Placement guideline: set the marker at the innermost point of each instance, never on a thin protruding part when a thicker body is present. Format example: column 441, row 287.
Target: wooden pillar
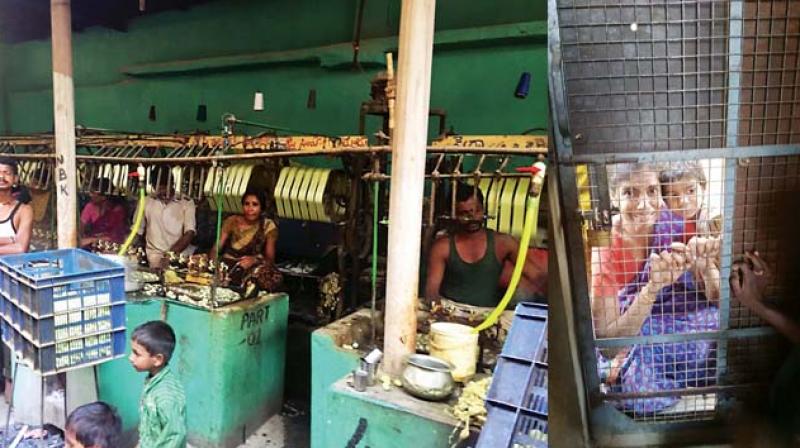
column 409, row 143
column 81, row 383
column 64, row 121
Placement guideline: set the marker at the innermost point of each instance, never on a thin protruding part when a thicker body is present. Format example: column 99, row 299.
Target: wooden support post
column 64, row 121
column 408, row 180
column 81, row 384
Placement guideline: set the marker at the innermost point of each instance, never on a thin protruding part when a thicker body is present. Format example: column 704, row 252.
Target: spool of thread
column 524, row 85
column 202, row 113
column 258, row 101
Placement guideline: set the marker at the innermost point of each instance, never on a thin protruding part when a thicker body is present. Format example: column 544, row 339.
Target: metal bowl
column 428, row 378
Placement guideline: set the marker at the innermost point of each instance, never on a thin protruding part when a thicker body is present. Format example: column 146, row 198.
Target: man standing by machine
column 169, row 220
column 466, row 266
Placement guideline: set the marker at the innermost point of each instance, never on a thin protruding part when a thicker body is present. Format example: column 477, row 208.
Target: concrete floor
column 289, row 429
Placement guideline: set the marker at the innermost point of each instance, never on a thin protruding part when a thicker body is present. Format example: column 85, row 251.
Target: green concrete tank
column 230, row 361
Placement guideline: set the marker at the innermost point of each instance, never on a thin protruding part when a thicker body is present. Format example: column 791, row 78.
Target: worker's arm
column 437, row 260
column 23, row 221
column 510, row 250
column 183, row 242
column 173, row 425
column 748, row 284
column 269, row 247
column 609, row 321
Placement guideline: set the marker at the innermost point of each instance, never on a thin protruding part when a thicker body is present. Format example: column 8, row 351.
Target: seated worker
column 162, row 408
column 247, row 246
column 93, row 425
column 169, row 221
column 465, row 267
column 103, row 218
column 16, row 217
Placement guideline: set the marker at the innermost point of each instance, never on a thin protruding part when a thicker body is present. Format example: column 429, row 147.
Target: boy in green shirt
column 162, row 408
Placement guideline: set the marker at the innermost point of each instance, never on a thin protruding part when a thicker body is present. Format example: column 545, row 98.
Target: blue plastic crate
column 72, row 354
column 73, row 324
column 516, row 403
column 47, row 283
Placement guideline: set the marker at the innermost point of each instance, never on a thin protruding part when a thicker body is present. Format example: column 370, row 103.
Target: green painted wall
column 384, row 425
column 474, row 75
column 329, row 363
column 232, row 369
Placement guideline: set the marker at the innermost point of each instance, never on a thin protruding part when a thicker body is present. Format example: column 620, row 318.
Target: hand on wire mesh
column 666, row 267
column 703, row 253
column 749, row 279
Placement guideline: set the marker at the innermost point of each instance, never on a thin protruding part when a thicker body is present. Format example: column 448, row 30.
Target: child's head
column 683, row 185
column 93, row 425
column 152, row 344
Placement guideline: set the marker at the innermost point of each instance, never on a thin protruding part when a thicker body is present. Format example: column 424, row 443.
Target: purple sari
column 679, row 308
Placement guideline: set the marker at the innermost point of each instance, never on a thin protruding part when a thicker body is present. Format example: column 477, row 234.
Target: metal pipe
column 531, row 152
column 385, row 177
column 694, row 391
column 64, row 122
column 408, row 182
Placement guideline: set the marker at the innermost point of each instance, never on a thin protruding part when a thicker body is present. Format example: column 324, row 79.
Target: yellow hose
column 531, row 222
column 137, row 222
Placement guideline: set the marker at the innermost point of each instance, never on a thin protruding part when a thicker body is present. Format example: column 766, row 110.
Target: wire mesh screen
column 658, row 278
column 765, row 219
column 770, row 94
column 642, row 75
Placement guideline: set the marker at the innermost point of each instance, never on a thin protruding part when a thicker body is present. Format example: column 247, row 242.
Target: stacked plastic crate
column 62, row 309
column 517, row 400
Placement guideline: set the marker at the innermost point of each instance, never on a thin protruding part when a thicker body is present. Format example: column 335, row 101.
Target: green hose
column 137, row 222
column 531, row 222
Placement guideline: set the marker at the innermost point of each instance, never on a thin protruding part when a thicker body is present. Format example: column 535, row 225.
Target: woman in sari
column 103, row 218
column 643, row 284
column 247, row 246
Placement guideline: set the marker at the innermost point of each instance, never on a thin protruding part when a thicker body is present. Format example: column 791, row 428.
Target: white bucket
column 130, row 266
column 457, row 344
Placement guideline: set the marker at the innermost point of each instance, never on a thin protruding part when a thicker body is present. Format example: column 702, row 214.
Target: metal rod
column 291, row 153
column 385, row 177
column 687, row 154
column 686, row 337
column 677, row 392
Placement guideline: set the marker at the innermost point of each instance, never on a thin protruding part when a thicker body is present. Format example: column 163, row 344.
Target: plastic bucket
column 457, row 344
column 130, row 266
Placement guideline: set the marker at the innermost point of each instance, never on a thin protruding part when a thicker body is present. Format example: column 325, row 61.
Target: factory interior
column 290, row 187
column 384, row 223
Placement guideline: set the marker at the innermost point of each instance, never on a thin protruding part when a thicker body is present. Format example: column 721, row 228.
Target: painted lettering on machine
column 252, row 324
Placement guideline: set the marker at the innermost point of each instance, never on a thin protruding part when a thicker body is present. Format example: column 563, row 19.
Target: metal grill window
column 646, row 75
column 669, row 85
column 769, row 109
column 656, row 270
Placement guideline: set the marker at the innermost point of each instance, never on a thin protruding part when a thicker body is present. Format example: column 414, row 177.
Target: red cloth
column 613, row 267
column 110, row 225
column 690, row 230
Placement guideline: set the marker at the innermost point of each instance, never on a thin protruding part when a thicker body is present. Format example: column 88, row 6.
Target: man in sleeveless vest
column 465, row 267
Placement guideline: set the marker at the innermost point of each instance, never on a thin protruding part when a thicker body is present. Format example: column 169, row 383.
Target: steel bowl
column 428, row 378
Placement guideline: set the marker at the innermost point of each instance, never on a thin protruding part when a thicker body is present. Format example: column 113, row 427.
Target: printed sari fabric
column 250, row 242
column 681, row 308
